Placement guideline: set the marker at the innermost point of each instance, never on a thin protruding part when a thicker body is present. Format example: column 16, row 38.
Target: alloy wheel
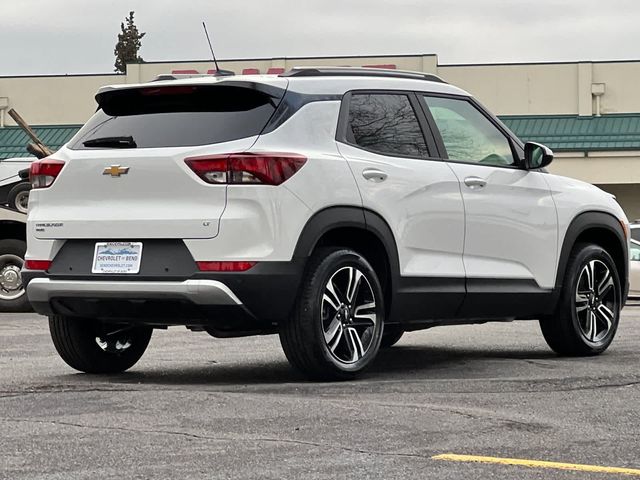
column 349, row 316
column 596, row 302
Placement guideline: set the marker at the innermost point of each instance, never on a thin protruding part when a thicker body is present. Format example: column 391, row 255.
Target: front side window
column 467, row 134
column 385, row 124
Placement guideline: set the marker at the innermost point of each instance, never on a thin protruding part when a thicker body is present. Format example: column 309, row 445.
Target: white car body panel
column 573, row 197
column 138, row 204
column 511, row 225
column 421, row 202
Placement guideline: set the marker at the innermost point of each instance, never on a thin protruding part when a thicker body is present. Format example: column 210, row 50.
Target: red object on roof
column 250, row 71
column 388, row 66
column 275, row 70
column 185, row 72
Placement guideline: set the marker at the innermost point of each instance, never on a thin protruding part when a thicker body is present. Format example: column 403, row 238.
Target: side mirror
column 536, row 156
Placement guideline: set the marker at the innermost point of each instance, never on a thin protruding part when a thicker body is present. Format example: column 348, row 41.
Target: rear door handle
column 475, row 182
column 374, row 175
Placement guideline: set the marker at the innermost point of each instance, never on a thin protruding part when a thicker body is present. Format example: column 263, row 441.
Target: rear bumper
column 229, row 303
column 200, row 292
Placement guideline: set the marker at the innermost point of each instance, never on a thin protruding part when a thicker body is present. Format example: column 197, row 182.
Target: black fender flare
column 582, row 223
column 331, row 218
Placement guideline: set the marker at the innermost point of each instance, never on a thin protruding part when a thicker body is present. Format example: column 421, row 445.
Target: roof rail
column 359, row 72
column 179, row 76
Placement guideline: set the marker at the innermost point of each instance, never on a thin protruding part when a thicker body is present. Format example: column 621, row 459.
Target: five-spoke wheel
column 348, row 314
column 596, row 300
column 336, row 327
column 588, row 311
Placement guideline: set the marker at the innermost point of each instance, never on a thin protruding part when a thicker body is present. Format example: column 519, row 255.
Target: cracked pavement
column 199, row 407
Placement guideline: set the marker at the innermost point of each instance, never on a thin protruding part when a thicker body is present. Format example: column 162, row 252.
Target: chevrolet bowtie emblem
column 115, row 170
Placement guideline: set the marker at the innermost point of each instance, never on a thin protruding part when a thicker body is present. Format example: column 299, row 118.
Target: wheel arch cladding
column 361, row 230
column 602, row 229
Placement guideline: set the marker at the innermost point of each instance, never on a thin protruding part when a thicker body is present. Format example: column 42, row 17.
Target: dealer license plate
column 117, row 257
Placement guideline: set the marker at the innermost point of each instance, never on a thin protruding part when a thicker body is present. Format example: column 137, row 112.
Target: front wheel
column 93, row 347
column 335, row 329
column 588, row 312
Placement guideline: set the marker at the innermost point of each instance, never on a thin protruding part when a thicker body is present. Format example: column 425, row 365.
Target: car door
column 510, row 244
column 381, row 134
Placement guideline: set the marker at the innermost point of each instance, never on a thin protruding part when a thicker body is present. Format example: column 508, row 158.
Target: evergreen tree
column 128, row 45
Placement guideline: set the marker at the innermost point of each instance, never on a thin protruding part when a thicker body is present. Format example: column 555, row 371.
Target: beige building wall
column 519, row 89
column 54, row 100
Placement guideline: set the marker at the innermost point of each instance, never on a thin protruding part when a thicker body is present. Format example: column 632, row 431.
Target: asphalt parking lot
column 199, row 407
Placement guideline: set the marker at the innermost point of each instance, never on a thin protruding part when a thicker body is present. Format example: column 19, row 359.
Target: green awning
column 13, row 141
column 578, row 134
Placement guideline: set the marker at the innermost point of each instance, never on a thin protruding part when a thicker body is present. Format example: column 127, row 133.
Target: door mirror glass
column 536, row 155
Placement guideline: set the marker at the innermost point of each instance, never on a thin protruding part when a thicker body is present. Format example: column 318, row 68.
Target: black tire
column 570, row 331
column 76, row 341
column 303, row 335
column 391, row 336
column 13, row 297
column 17, row 195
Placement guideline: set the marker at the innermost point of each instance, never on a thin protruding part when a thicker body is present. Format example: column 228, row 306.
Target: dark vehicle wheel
column 391, row 336
column 335, row 329
column 588, row 313
column 18, row 197
column 93, row 347
column 13, row 297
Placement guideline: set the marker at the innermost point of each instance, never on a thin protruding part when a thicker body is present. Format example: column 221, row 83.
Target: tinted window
column 178, row 116
column 386, row 124
column 467, row 134
column 635, row 234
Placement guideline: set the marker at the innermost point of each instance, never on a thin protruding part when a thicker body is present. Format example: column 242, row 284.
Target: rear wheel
column 93, row 347
column 335, row 330
column 588, row 312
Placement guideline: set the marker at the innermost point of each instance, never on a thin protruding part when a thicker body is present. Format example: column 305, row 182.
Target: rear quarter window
column 178, row 116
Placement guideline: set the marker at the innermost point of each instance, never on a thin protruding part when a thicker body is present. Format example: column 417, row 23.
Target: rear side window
column 176, row 116
column 386, row 124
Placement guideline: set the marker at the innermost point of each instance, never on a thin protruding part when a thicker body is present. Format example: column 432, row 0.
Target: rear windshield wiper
column 111, row 142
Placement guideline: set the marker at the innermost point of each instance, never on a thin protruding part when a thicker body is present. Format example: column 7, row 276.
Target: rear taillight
column 247, row 168
column 225, row 266
column 44, row 172
column 37, row 264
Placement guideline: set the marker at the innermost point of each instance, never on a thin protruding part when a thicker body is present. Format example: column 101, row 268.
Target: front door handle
column 475, row 182
column 374, row 175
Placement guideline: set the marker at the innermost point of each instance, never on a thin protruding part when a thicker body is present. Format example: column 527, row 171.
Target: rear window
column 177, row 116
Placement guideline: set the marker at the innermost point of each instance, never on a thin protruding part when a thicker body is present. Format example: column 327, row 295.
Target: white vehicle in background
column 14, row 190
column 634, row 269
column 12, row 249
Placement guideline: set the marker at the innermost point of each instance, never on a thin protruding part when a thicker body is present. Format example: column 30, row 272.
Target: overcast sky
column 78, row 36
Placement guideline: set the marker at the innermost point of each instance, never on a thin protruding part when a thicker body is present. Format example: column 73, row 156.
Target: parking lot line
column 536, row 464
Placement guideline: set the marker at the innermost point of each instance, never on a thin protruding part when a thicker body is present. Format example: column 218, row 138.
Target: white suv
column 337, row 207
